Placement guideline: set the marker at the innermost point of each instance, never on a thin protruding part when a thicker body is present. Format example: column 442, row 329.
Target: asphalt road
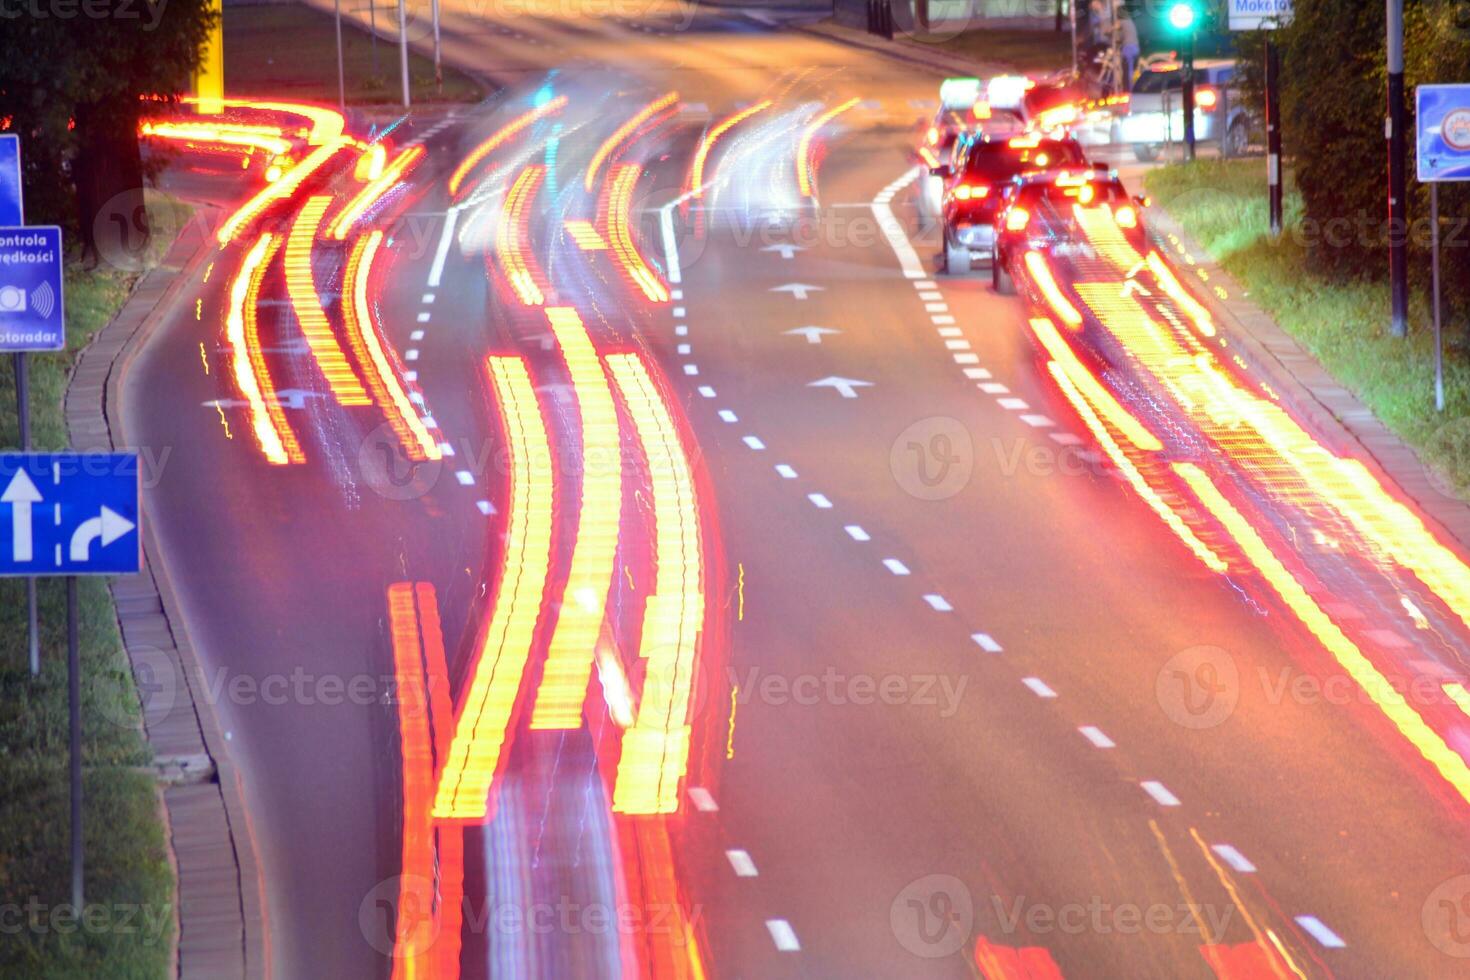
column 961, row 708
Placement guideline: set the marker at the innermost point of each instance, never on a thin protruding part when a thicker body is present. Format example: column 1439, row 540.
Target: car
column 1037, row 212
column 965, row 107
column 1153, row 116
column 985, row 164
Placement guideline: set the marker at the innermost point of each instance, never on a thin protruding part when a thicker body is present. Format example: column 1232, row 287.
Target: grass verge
column 126, row 929
column 1222, row 204
column 289, row 51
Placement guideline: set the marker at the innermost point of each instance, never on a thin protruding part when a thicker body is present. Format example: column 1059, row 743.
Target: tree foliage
column 1334, row 98
column 72, row 77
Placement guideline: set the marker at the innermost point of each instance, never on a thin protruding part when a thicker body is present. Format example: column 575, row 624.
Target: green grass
column 289, row 51
column 129, row 884
column 1222, row 204
column 1025, row 51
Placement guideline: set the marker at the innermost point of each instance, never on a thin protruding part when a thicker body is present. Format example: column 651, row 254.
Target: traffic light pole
column 1398, row 225
column 1189, row 95
column 1273, row 132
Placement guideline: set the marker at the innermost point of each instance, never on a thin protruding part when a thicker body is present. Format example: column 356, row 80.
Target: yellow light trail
column 586, row 236
column 279, row 190
column 1097, row 396
column 266, row 138
column 804, row 181
column 358, row 322
column 589, row 180
column 1041, row 273
column 267, row 420
column 499, row 137
column 696, row 170
column 594, row 521
column 1165, row 278
column 301, row 287
column 619, row 209
column 487, row 703
column 369, row 195
column 655, row 753
column 1436, row 752
column 512, row 231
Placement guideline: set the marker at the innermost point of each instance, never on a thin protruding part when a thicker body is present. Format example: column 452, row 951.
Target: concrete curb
column 220, row 907
column 1319, row 399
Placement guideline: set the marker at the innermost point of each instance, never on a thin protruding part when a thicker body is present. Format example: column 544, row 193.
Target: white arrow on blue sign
column 69, row 514
column 32, row 314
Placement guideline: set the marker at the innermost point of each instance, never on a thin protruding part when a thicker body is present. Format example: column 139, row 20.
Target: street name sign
column 1257, row 15
column 32, row 311
column 69, row 514
column 1443, row 121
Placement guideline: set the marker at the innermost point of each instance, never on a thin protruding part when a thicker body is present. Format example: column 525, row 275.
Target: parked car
column 1154, row 113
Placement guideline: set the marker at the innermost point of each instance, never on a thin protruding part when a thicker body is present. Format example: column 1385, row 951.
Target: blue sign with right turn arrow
column 69, row 514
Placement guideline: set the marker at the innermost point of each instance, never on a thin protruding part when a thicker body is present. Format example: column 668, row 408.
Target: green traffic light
column 1181, row 16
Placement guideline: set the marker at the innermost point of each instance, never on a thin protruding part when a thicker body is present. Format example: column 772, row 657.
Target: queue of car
column 1006, row 169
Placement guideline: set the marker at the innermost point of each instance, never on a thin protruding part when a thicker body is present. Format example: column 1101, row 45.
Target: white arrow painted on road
column 108, row 525
column 797, row 289
column 1134, row 286
column 813, row 335
column 20, row 495
column 847, row 387
column 786, row 249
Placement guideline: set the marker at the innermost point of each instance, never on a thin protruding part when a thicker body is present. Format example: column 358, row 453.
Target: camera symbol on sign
column 14, row 299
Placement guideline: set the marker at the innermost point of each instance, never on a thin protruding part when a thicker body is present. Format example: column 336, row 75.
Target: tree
column 1334, row 80
column 73, row 76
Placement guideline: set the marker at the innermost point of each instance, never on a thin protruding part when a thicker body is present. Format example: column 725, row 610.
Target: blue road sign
column 31, row 308
column 12, row 205
column 1443, row 118
column 69, row 514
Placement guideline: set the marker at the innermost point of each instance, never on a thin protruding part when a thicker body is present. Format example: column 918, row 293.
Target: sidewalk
column 220, row 911
column 1319, row 400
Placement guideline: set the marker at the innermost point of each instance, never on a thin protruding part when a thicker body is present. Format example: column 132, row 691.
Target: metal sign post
column 403, row 47
column 32, row 317
column 90, row 527
column 1442, row 150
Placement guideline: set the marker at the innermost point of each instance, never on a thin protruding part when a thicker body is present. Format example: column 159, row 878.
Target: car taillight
column 1206, row 98
column 1126, row 217
column 966, row 192
column 1017, row 219
column 1085, row 194
column 933, row 135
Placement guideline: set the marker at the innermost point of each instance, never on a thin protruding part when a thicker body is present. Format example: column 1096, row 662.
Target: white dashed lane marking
column 938, row 603
column 820, row 501
column 986, row 642
column 1038, row 687
column 895, row 566
column 1095, row 735
column 728, row 416
column 754, row 442
column 785, row 472
column 1231, row 856
column 783, row 935
column 702, row 800
column 742, row 863
column 1319, row 931
column 857, row 533
column 1159, row 792
column 706, row 391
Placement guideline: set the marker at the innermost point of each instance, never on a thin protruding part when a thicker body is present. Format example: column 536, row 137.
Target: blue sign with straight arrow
column 69, row 514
